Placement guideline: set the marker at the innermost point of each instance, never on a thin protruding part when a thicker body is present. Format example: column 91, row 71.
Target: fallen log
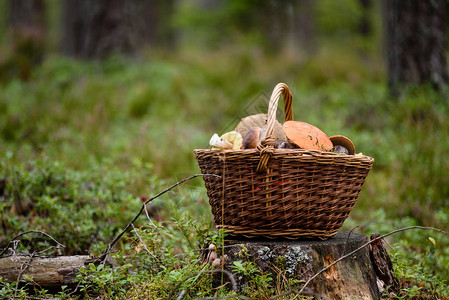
column 43, row 271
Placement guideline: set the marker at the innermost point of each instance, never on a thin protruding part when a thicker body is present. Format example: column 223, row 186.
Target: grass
column 83, row 143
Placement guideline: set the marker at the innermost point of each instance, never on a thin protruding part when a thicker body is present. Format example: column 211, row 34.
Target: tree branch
column 143, row 243
column 27, row 232
column 119, row 236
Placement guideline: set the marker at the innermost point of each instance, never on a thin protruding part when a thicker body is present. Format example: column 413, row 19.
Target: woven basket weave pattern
column 304, row 193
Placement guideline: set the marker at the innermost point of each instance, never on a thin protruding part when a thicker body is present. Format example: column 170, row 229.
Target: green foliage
column 259, row 285
column 251, row 23
column 161, row 260
column 340, row 17
column 82, row 142
column 418, row 272
column 78, row 208
column 419, row 256
column 103, row 280
column 11, row 290
column 23, row 290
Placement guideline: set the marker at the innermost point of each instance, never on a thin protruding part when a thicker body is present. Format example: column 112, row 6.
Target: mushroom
column 306, row 136
column 342, row 143
column 259, row 120
column 218, row 143
column 213, row 256
column 284, row 145
column 229, row 140
column 212, row 253
column 253, row 137
column 216, row 263
column 340, row 149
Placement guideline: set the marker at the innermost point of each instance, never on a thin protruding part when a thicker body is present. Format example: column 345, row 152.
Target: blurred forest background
column 102, row 103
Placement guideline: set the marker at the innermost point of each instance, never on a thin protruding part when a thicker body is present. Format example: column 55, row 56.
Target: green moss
column 280, row 262
column 243, row 253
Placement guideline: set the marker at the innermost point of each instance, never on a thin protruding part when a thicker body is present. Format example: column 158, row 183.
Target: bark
column 415, row 43
column 45, row 272
column 383, row 267
column 96, row 29
column 76, row 19
column 351, row 278
column 157, row 27
column 27, row 13
column 365, row 26
column 303, row 25
column 27, row 27
column 273, row 23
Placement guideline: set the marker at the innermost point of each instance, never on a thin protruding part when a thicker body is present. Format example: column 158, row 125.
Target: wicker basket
column 282, row 193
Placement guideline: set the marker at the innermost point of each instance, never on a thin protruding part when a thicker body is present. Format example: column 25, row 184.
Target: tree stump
column 351, row 278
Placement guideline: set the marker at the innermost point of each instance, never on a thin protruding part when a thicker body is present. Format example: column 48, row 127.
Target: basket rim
column 294, row 153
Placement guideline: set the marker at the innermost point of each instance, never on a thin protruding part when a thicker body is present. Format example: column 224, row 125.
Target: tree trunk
column 415, row 43
column 365, row 26
column 45, row 272
column 75, row 21
column 157, row 28
column 351, row 278
column 27, row 26
column 96, row 29
column 29, row 13
column 303, row 26
column 273, row 23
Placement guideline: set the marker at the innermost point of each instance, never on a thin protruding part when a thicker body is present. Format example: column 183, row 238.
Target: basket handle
column 266, row 146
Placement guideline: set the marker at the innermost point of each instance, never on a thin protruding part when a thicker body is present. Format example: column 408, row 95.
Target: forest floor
column 84, row 144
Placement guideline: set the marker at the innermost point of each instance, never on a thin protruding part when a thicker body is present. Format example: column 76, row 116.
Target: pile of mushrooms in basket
column 292, row 134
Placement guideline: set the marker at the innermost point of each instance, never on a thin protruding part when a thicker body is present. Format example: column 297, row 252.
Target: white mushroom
column 216, row 263
column 218, row 143
column 229, row 140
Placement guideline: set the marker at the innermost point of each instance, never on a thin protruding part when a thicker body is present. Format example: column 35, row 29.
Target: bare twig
column 221, row 247
column 15, row 244
column 38, row 253
column 280, row 275
column 119, row 236
column 75, row 290
column 23, row 268
column 27, row 232
column 143, row 243
column 181, row 295
column 148, row 217
column 350, row 232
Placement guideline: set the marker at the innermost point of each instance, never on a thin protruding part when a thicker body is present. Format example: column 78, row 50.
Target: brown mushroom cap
column 259, row 120
column 253, row 137
column 343, row 141
column 306, row 136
